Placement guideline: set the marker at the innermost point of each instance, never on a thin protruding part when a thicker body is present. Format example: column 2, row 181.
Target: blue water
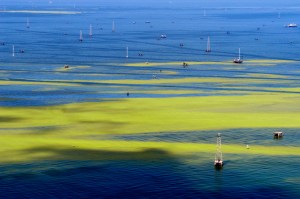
column 53, row 41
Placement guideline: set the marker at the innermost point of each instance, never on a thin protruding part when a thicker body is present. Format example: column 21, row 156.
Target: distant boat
column 219, row 157
column 27, row 23
column 292, row 25
column 163, row 36
column 208, row 49
column 238, row 60
column 91, row 30
column 13, row 50
column 80, row 36
column 147, row 21
column 127, row 53
column 113, row 29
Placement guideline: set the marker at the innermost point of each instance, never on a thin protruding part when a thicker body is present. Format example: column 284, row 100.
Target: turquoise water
column 53, row 41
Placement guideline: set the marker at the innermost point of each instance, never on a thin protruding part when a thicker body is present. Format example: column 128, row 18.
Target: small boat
column 80, row 36
column 163, row 36
column 91, row 31
column 292, row 25
column 113, row 28
column 147, row 22
column 238, row 60
column 27, row 23
column 208, row 49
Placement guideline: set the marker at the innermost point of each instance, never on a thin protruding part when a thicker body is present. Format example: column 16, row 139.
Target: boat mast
column 91, row 30
column 219, row 156
column 208, row 45
column 239, row 54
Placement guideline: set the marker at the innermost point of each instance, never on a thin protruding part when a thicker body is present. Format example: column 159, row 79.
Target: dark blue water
column 53, row 41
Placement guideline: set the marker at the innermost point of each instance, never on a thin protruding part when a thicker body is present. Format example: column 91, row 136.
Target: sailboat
column 208, row 46
column 13, row 50
column 238, row 60
column 91, row 30
column 113, row 26
column 80, row 36
column 127, row 54
column 27, row 23
column 218, row 157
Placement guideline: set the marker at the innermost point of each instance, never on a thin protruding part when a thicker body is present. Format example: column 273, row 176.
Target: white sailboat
column 80, row 36
column 113, row 26
column 91, row 30
column 208, row 49
column 238, row 60
column 13, row 50
column 27, row 23
column 219, row 157
column 127, row 53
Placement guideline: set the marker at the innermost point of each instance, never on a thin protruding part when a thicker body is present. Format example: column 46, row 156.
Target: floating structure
column 208, row 49
column 292, row 25
column 218, row 157
column 278, row 134
column 163, row 36
column 238, row 60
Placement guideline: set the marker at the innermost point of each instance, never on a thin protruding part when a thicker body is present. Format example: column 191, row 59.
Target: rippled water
column 164, row 177
column 230, row 136
column 52, row 41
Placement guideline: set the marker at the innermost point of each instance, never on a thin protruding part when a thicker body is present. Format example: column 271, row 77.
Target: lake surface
column 52, row 41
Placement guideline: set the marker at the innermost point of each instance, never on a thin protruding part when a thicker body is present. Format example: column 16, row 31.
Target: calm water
column 53, row 41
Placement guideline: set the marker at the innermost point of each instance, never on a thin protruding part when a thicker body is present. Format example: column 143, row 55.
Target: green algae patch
column 28, row 148
column 139, row 115
column 64, row 131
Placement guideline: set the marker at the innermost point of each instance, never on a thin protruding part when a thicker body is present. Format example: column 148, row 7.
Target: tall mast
column 208, row 45
column 80, row 36
column 127, row 54
column 113, row 26
column 91, row 30
column 239, row 53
